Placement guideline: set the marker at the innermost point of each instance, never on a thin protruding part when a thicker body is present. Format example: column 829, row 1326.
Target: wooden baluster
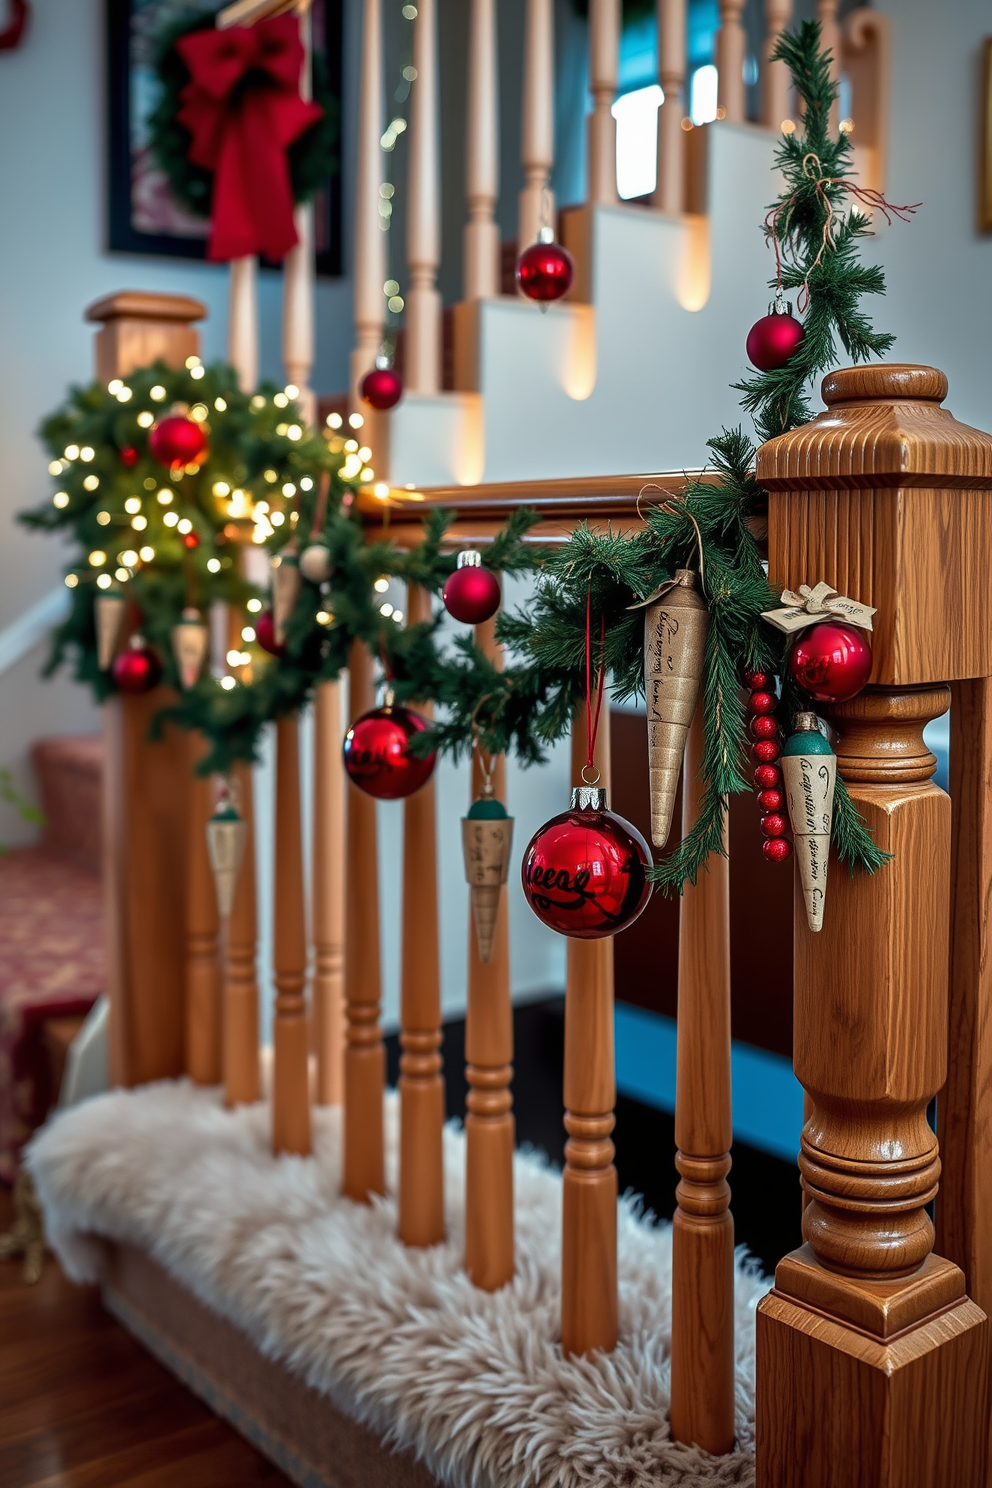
column 298, row 276
column 421, row 1084
column 826, row 14
column 290, row 1073
column 775, row 78
column 489, row 1123
column 242, row 322
column 482, row 246
column 604, row 63
column 203, row 969
column 589, row 1301
column 669, row 194
column 731, row 45
column 240, row 1022
column 369, row 262
column 328, row 893
column 365, row 1054
column 537, row 135
column 423, row 245
column 872, row 1362
column 702, row 1409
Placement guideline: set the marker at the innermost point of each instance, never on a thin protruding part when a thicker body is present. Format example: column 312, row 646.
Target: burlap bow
column 810, row 606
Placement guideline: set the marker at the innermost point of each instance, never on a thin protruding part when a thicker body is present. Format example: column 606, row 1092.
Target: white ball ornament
column 315, row 563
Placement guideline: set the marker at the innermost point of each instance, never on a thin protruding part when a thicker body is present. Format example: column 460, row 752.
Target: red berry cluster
column 765, row 751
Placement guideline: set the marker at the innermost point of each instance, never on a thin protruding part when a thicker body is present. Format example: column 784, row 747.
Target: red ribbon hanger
column 242, row 105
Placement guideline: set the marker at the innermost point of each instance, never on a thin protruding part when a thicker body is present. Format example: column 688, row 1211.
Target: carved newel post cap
column 895, row 381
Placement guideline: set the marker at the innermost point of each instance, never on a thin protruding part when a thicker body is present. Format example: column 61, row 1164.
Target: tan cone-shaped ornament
column 190, row 639
column 487, row 836
column 109, row 611
column 675, row 624
column 286, row 586
column 809, row 770
column 226, row 833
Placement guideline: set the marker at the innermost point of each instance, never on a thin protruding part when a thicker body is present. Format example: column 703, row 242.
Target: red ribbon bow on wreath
column 242, row 106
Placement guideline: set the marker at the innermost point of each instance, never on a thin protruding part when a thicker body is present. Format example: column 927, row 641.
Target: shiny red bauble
column 545, row 271
column 771, row 800
column 471, row 594
column 137, row 669
column 768, row 777
column 762, row 702
column 766, row 751
column 265, row 634
column 777, row 849
column 129, row 456
column 377, row 753
column 758, row 681
column 177, row 441
column 774, row 824
column 585, row 873
column 764, row 726
column 382, row 388
column 831, row 661
column 773, row 340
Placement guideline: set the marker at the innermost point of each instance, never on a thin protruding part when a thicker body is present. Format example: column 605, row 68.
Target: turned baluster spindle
column 775, row 79
column 365, row 1054
column 240, row 1022
column 826, row 14
column 242, row 327
column 537, row 137
column 702, row 1409
column 489, row 1123
column 669, row 194
column 328, row 893
column 589, row 1304
column 604, row 63
column 482, row 245
column 872, row 1362
column 423, row 236
column 731, row 46
column 290, row 1072
column 203, row 968
column 369, row 262
column 298, row 275
column 421, row 1083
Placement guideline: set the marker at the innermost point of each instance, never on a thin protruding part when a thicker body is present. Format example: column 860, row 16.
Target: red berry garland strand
column 764, row 730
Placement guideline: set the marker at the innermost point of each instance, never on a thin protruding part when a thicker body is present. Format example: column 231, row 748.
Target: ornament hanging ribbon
column 592, row 716
column 242, row 105
column 810, row 606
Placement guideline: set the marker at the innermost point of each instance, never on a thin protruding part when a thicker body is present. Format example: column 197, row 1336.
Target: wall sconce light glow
column 636, row 114
column 703, row 87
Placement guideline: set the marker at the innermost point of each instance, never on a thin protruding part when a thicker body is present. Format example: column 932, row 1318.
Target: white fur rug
column 475, row 1383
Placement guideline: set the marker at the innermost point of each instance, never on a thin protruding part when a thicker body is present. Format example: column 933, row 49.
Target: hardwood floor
column 82, row 1405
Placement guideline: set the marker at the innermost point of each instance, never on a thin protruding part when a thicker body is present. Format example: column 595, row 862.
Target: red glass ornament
column 137, row 669
column 774, row 339
column 471, row 594
column 764, row 726
column 190, row 540
column 758, row 681
column 382, row 388
column 177, row 441
column 762, row 702
column 771, row 800
column 768, row 777
column 585, row 872
column 377, row 753
column 831, row 661
column 774, row 824
column 766, row 751
column 129, row 456
column 777, row 849
column 545, row 269
column 265, row 633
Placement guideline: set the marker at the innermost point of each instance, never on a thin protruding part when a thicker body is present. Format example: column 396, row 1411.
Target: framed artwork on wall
column 144, row 215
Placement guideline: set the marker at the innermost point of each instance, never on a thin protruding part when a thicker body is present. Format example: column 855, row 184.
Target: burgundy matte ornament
column 777, row 849
column 382, row 388
column 129, row 456
column 831, row 661
column 137, row 669
column 177, row 441
column 471, row 594
column 766, row 751
column 265, row 634
column 585, row 872
column 774, row 339
column 764, row 726
column 768, row 777
column 545, row 269
column 377, row 753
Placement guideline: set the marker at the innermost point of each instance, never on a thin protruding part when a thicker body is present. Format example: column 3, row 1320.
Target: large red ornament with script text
column 585, row 872
column 377, row 753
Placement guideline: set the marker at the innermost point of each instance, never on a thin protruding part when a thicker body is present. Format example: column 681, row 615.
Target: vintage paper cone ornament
column 286, row 585
column 809, row 770
column 190, row 639
column 225, row 846
column 675, row 624
column 109, row 611
column 487, row 835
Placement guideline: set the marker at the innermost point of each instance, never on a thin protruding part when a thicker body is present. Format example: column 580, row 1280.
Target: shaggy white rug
column 474, row 1383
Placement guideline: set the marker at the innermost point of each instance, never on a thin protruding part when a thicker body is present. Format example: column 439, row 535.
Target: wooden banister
column 604, row 63
column 421, row 1083
column 537, row 129
column 290, row 1054
column 365, row 1054
column 731, row 47
column 240, row 1021
column 702, row 1409
column 482, row 244
column 203, row 968
column 422, row 365
column 328, row 893
column 669, row 194
column 872, row 1362
column 369, row 262
column 775, row 78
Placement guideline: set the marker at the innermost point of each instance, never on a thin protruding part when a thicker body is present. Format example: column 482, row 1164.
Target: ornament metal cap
column 780, row 305
column 469, row 558
column 546, row 235
column 686, row 577
column 588, row 798
column 807, row 723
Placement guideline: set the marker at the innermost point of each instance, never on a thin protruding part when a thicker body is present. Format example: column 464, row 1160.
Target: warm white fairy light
column 355, row 420
column 61, row 499
column 103, row 581
column 71, row 451
column 282, row 430
column 129, row 557
column 334, row 421
column 71, row 580
column 103, row 517
column 261, row 507
column 213, row 565
column 364, row 453
column 324, row 617
column 381, row 585
column 114, row 386
column 386, row 609
column 306, row 484
column 239, row 504
column 280, row 400
column 368, row 474
column 397, row 616
column 234, row 658
column 221, row 488
column 146, row 554
column 199, row 413
column 381, row 489
column 248, row 631
column 145, row 419
column 291, row 391
column 271, row 476
column 132, row 505
column 185, row 525
column 289, row 489
column 220, row 404
column 191, row 362
column 351, row 446
column 121, row 575
column 97, row 558
column 171, row 519
column 197, row 372
column 351, row 467
column 157, row 392
column 125, row 395
column 277, row 518
column 258, row 401
column 91, row 482
column 253, row 606
column 228, row 683
column 139, row 523
column 86, row 453
column 164, row 497
column 55, row 468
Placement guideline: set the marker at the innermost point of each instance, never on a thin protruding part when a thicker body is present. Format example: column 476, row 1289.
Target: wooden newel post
column 872, row 1361
column 290, row 1073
